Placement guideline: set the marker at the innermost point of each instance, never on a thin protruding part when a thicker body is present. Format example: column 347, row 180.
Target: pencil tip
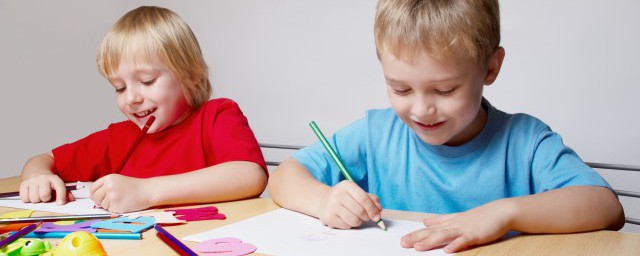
column 80, row 185
column 381, row 225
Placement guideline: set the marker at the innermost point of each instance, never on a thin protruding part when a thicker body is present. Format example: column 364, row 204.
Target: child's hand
column 346, row 205
column 458, row 231
column 119, row 194
column 39, row 188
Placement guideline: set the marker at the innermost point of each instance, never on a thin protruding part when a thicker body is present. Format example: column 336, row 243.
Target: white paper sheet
column 82, row 205
column 285, row 232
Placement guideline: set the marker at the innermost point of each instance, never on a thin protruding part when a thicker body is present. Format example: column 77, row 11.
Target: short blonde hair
column 439, row 28
column 154, row 31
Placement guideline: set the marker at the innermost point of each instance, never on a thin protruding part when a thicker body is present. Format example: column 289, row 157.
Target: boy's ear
column 494, row 65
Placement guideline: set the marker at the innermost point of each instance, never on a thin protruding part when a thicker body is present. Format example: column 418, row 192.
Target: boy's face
column 146, row 89
column 439, row 99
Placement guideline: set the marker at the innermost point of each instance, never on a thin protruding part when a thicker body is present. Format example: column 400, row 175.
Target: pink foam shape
column 229, row 246
column 194, row 214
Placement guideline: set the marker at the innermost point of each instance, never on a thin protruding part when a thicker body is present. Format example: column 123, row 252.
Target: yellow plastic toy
column 79, row 243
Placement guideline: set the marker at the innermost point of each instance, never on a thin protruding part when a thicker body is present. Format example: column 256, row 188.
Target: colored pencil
column 174, row 240
column 14, row 236
column 336, row 159
column 60, row 217
column 17, row 193
column 135, row 144
column 99, row 235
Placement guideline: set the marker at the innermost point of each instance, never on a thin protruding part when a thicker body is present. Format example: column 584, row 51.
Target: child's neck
column 472, row 130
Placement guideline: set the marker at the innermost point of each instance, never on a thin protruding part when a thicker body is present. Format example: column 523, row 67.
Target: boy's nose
column 423, row 109
column 133, row 97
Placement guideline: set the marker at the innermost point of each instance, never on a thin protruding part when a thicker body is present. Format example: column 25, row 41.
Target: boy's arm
column 227, row 181
column 222, row 182
column 38, row 179
column 564, row 210
column 293, row 187
column 568, row 210
column 38, row 165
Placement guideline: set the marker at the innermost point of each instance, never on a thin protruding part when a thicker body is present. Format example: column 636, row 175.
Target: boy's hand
column 461, row 230
column 119, row 194
column 39, row 188
column 346, row 206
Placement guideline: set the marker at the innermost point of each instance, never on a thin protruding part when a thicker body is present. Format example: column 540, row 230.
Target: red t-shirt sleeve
column 84, row 160
column 229, row 137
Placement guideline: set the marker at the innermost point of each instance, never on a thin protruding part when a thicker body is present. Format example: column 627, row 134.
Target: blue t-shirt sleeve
column 556, row 166
column 350, row 145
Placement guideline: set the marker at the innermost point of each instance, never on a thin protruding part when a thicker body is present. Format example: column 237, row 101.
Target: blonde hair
column 439, row 28
column 154, row 31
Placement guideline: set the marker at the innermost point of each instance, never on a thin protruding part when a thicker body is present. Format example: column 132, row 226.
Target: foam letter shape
column 138, row 225
column 57, row 227
column 203, row 213
column 161, row 217
column 228, row 246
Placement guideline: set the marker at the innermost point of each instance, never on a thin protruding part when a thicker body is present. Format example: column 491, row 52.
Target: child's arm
column 564, row 210
column 38, row 179
column 223, row 182
column 344, row 205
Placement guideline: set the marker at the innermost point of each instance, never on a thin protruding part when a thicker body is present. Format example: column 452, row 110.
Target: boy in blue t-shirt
column 443, row 148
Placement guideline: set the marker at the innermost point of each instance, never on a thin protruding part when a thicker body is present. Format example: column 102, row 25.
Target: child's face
column 146, row 89
column 439, row 99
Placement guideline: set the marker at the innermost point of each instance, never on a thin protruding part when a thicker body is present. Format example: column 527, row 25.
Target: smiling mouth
column 145, row 113
column 430, row 126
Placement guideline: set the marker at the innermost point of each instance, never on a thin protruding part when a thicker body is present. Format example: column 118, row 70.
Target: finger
column 439, row 219
column 24, row 192
column 348, row 217
column 96, row 185
column 354, row 207
column 458, row 244
column 437, row 239
column 408, row 240
column 366, row 208
column 105, row 203
column 376, row 201
column 45, row 192
column 98, row 196
column 34, row 195
column 61, row 191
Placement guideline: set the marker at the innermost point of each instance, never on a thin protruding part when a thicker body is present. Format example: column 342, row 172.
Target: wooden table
column 590, row 243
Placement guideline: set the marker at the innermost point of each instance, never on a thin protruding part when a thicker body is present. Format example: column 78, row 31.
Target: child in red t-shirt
column 197, row 150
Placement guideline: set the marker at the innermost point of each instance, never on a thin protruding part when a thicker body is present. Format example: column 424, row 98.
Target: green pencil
column 335, row 158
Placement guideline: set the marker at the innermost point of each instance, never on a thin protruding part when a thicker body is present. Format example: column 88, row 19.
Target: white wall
column 572, row 63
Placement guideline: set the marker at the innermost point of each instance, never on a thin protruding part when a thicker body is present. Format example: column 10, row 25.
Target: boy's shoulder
column 521, row 120
column 214, row 107
column 220, row 103
column 516, row 122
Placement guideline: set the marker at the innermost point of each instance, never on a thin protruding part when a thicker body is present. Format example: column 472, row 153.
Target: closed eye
column 400, row 92
column 445, row 93
column 120, row 89
column 149, row 82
